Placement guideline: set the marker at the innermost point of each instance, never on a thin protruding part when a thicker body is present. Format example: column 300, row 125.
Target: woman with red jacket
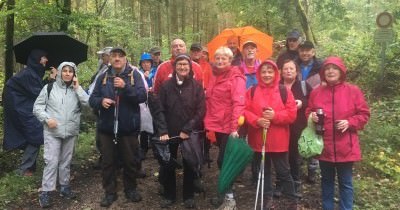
column 346, row 112
column 224, row 105
column 266, row 109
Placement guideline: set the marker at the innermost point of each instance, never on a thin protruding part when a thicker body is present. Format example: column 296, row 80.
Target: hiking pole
column 261, row 171
column 116, row 113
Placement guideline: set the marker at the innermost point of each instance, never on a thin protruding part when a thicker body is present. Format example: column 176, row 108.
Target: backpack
column 282, row 91
column 49, row 88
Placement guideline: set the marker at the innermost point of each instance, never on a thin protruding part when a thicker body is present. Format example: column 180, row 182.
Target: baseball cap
column 196, row 46
column 249, row 42
column 306, row 45
column 154, row 50
column 293, row 34
column 105, row 50
column 118, row 49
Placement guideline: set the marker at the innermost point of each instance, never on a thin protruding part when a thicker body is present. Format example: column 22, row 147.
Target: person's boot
column 229, row 204
column 66, row 192
column 217, row 201
column 44, row 199
column 108, row 199
column 297, row 188
column 133, row 195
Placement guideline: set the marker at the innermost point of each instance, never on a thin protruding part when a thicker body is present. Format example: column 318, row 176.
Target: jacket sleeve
column 288, row 114
column 158, row 78
column 238, row 101
column 250, row 117
column 362, row 114
column 137, row 93
column 39, row 107
column 82, row 96
column 162, row 122
column 200, row 111
column 96, row 98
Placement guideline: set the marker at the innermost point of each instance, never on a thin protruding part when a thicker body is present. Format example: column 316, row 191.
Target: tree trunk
column 9, row 57
column 183, row 16
column 173, row 18
column 66, row 11
column 304, row 21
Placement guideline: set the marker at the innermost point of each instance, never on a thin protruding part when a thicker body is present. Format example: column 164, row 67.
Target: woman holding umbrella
column 183, row 108
column 270, row 109
column 224, row 103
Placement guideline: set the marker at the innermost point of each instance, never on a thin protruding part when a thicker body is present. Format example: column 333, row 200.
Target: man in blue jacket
column 117, row 96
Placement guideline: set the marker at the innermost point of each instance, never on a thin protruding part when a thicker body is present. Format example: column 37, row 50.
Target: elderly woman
column 301, row 91
column 346, row 112
column 224, row 103
column 270, row 109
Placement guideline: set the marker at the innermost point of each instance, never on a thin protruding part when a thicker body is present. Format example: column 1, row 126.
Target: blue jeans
column 345, row 178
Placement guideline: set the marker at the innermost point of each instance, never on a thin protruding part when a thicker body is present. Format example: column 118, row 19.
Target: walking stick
column 116, row 113
column 261, row 172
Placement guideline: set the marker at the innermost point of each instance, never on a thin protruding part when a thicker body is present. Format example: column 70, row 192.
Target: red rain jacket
column 285, row 114
column 225, row 100
column 342, row 101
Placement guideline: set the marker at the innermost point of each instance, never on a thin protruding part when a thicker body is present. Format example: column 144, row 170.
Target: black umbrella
column 59, row 46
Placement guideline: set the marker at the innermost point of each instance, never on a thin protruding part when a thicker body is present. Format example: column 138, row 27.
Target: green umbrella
column 237, row 155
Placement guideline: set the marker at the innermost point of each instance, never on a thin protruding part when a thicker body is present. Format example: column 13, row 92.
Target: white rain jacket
column 63, row 105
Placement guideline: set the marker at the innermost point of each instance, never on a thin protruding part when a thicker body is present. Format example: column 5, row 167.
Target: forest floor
column 86, row 182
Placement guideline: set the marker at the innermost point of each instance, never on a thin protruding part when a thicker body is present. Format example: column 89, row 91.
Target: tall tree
column 9, row 57
column 66, row 11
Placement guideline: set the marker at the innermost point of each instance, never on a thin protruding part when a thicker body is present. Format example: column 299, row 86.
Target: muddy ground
column 87, row 184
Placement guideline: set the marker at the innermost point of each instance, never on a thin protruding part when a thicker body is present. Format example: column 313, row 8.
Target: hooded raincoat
column 20, row 125
column 225, row 100
column 342, row 101
column 63, row 104
column 285, row 114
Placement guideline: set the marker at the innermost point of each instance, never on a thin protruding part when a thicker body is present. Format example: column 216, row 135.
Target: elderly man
column 119, row 90
column 155, row 53
column 233, row 44
column 293, row 40
column 164, row 71
column 104, row 61
column 250, row 63
column 196, row 54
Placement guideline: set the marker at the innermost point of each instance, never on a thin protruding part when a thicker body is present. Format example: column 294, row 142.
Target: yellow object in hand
column 241, row 120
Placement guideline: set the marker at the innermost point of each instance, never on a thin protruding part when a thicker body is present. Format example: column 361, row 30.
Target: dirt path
column 87, row 184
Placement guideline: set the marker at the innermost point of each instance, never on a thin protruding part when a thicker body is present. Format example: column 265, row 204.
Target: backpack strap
column 283, row 92
column 303, row 87
column 49, row 88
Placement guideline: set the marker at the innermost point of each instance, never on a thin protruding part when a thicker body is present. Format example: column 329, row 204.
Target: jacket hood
column 179, row 58
column 61, row 66
column 34, row 61
column 275, row 67
column 337, row 62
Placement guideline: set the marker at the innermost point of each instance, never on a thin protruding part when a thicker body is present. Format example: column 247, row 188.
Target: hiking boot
column 44, row 199
column 229, row 204
column 166, row 203
column 189, row 203
column 133, row 195
column 67, row 193
column 217, row 201
column 108, row 199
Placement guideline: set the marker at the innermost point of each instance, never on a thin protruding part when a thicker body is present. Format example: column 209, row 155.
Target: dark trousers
column 295, row 159
column 222, row 141
column 281, row 165
column 170, row 177
column 126, row 150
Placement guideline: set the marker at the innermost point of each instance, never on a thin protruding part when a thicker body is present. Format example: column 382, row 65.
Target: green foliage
column 380, row 140
column 15, row 188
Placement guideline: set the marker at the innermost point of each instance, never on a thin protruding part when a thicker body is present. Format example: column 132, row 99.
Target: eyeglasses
column 182, row 64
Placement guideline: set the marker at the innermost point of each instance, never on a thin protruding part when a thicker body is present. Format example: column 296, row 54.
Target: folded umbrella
column 59, row 46
column 237, row 155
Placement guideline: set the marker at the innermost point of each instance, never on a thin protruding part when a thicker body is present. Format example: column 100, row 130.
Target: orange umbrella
column 264, row 42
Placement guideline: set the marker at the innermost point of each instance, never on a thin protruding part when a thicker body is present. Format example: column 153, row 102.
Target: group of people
column 188, row 95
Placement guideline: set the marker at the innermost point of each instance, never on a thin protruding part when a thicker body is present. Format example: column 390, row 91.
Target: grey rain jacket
column 63, row 105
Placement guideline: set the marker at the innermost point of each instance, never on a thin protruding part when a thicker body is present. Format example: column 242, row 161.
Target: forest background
column 338, row 27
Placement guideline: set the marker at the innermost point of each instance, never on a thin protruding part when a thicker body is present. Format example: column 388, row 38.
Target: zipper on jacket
column 333, row 123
